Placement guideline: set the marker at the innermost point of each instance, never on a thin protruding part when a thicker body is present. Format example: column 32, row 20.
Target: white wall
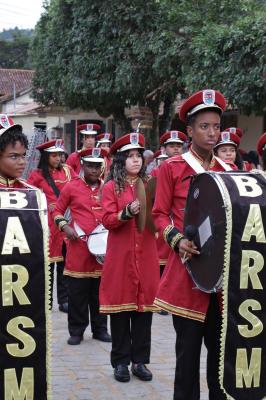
column 252, row 126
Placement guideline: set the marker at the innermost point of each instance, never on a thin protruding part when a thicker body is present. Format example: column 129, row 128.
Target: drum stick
column 190, row 233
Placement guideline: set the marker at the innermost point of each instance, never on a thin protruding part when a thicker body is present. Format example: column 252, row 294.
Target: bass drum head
column 205, row 215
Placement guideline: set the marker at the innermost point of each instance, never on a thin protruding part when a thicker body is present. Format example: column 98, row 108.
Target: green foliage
column 108, row 55
column 15, row 53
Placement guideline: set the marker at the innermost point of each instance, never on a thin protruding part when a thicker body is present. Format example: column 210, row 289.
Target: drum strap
column 223, row 164
column 193, row 162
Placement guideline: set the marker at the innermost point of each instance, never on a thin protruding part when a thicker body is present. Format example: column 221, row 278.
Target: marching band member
column 51, row 176
column 82, row 197
column 196, row 314
column 261, row 148
column 227, row 146
column 130, row 273
column 104, row 141
column 240, row 153
column 162, row 247
column 160, row 156
column 173, row 142
column 88, row 132
column 13, row 146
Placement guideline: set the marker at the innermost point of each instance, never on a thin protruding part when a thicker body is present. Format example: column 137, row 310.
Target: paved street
column 84, row 373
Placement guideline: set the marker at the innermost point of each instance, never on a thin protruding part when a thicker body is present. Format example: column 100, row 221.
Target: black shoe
column 121, row 373
column 63, row 307
column 102, row 336
column 74, row 340
column 141, row 371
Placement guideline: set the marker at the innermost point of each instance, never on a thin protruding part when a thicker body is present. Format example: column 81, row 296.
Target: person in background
column 261, row 149
column 227, row 148
column 88, row 133
column 82, row 197
column 173, row 142
column 162, row 247
column 104, row 141
column 131, row 268
column 241, row 162
column 149, row 161
column 196, row 315
column 51, row 176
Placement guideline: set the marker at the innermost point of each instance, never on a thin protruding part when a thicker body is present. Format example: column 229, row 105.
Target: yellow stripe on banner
column 227, row 250
column 42, row 204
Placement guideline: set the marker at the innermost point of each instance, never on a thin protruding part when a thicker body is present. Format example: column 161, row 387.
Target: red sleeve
column 163, row 199
column 34, row 178
column 110, row 207
column 62, row 202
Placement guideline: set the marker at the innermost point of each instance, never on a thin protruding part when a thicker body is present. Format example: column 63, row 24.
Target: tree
column 111, row 55
column 15, row 53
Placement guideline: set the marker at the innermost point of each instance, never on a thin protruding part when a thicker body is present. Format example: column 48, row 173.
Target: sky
column 23, row 14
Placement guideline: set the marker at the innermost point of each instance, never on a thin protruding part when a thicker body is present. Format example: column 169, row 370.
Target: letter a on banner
column 25, row 326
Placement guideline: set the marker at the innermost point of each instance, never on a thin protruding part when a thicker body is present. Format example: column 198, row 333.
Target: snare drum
column 97, row 243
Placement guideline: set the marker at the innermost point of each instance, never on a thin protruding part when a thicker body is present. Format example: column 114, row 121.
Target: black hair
column 12, row 136
column 192, row 118
column 253, row 157
column 239, row 160
column 44, row 167
column 118, row 170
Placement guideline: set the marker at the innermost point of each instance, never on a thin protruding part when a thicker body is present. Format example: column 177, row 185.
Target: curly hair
column 12, row 136
column 118, row 170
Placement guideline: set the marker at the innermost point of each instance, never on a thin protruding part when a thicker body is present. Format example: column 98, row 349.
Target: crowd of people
column 142, row 269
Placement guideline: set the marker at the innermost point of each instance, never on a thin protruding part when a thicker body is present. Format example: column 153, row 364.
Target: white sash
column 198, row 168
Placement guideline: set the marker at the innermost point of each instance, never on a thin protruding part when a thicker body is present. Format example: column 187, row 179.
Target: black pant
column 83, row 297
column 61, row 282
column 188, row 347
column 131, row 337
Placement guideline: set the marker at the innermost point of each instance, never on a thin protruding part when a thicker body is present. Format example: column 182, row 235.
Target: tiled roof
column 22, row 78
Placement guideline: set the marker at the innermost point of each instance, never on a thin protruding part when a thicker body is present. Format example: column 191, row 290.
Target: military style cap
column 95, row 154
column 237, row 131
column 104, row 138
column 89, row 129
column 53, row 146
column 160, row 154
column 202, row 100
column 128, row 142
column 173, row 137
column 227, row 137
column 261, row 144
column 7, row 123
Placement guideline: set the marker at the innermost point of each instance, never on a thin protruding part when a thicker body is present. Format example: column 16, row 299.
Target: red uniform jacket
column 61, row 177
column 131, row 268
column 74, row 161
column 86, row 211
column 176, row 294
column 162, row 247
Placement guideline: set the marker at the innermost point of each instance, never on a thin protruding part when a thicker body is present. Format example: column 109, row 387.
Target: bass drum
column 97, row 243
column 205, row 223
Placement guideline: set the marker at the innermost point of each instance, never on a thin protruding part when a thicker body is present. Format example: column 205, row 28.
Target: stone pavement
column 84, row 373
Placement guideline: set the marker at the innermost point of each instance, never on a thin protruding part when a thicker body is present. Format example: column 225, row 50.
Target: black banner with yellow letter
column 24, row 307
column 243, row 350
